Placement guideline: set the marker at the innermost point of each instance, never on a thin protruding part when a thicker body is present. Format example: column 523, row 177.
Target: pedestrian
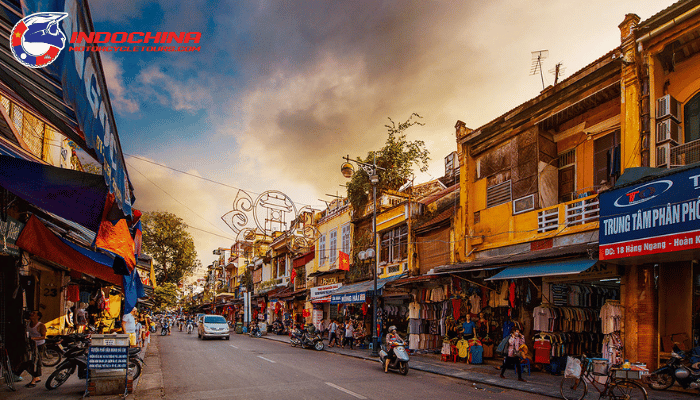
column 82, row 318
column 512, row 359
column 332, row 338
column 139, row 326
column 349, row 335
column 129, row 326
column 37, row 333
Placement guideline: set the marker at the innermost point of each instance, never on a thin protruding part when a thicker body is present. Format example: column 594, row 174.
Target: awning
column 324, row 273
column 37, row 239
column 358, row 292
column 564, row 267
column 303, row 259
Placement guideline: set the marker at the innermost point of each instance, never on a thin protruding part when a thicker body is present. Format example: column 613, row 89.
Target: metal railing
column 684, row 154
column 576, row 212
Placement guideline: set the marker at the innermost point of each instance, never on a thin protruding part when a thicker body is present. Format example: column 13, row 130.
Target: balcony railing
column 572, row 213
column 684, row 154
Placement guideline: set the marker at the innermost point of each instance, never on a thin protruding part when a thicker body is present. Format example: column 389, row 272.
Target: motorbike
column 678, row 368
column 306, row 339
column 75, row 359
column 190, row 327
column 54, row 349
column 255, row 331
column 399, row 359
column 135, row 362
column 278, row 328
column 164, row 329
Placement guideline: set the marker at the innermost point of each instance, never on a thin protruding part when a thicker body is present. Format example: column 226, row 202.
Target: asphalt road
column 247, row 368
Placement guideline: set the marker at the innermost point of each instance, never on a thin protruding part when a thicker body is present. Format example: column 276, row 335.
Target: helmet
column 392, row 328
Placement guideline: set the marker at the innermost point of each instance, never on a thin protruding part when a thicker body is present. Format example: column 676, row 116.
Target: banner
column 659, row 216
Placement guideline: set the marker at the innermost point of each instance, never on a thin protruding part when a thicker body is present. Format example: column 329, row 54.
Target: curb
column 465, row 376
column 149, row 385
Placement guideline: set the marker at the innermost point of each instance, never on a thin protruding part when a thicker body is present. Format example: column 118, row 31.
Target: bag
column 503, row 346
column 573, row 368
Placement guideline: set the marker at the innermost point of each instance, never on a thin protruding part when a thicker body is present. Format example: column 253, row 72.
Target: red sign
column 654, row 245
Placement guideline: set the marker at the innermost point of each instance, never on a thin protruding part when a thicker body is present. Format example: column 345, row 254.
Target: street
column 247, row 368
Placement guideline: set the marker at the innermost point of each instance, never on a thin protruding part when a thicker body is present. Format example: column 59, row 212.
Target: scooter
column 399, row 360
column 54, row 348
column 306, row 339
column 255, row 331
column 678, row 368
column 278, row 328
column 75, row 358
column 165, row 329
column 190, row 327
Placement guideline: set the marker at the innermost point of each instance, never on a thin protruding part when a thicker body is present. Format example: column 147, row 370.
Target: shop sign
column 10, row 230
column 323, row 291
column 660, row 216
column 316, row 318
column 329, row 281
column 103, row 357
column 348, row 298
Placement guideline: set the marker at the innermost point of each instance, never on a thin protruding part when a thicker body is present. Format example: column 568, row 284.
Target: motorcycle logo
column 37, row 40
column 643, row 193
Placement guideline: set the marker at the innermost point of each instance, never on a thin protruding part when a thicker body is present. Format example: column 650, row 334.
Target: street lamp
column 371, row 170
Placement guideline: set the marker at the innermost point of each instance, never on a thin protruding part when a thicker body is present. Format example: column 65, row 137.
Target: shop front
column 650, row 227
column 320, row 297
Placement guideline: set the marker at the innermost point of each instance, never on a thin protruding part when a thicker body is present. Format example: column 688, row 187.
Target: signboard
column 348, row 298
column 323, row 291
column 104, row 357
column 84, row 89
column 659, row 216
column 9, row 231
column 317, row 318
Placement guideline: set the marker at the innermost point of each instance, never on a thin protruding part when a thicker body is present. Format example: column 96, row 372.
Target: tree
column 165, row 296
column 398, row 157
column 166, row 239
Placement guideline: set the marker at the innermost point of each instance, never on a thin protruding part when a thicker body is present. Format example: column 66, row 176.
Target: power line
column 172, row 197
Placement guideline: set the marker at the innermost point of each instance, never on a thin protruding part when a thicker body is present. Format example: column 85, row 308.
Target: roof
column 366, row 286
column 443, row 216
column 666, row 15
column 436, row 196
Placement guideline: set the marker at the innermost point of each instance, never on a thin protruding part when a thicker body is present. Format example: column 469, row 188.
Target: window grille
column 498, row 194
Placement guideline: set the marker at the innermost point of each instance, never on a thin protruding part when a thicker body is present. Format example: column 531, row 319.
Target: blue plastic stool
column 525, row 364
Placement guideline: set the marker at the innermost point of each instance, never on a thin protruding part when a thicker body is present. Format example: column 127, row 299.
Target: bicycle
column 614, row 388
column 6, row 368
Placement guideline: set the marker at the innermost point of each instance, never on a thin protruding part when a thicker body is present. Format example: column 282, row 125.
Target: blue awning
column 357, row 293
column 565, row 267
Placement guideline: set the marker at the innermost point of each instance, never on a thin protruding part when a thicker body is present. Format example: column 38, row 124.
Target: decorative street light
column 371, row 170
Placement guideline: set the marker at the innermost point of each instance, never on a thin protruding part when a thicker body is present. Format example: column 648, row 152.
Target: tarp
column 358, row 292
column 133, row 290
column 73, row 195
column 565, row 267
column 40, row 241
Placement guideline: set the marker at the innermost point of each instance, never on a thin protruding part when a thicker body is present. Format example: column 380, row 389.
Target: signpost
column 108, row 363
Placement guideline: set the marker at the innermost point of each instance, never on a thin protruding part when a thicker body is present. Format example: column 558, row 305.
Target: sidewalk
column 539, row 383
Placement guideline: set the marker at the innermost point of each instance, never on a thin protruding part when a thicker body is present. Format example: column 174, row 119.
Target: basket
column 630, row 373
column 600, row 366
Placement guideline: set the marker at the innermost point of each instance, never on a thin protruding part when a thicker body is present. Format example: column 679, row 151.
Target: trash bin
column 239, row 327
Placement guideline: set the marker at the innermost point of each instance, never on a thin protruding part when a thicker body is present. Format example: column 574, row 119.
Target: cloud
column 179, row 93
column 120, row 98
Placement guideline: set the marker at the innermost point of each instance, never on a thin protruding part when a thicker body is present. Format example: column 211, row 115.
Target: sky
column 282, row 90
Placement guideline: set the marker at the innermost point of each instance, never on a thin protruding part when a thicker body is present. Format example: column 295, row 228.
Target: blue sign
column 85, row 91
column 659, row 216
column 106, row 357
column 348, row 298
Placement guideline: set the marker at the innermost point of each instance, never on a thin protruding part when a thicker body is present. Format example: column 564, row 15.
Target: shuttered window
column 498, row 194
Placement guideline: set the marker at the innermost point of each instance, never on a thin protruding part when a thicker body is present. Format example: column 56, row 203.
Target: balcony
column 498, row 227
column 685, row 154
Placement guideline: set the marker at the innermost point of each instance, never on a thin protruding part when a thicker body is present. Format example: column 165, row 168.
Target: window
column 498, row 194
column 394, row 244
column 333, row 245
column 606, row 159
column 691, row 119
column 345, row 239
column 567, row 175
column 322, row 250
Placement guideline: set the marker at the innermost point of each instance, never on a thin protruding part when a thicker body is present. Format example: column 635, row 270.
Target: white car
column 213, row 326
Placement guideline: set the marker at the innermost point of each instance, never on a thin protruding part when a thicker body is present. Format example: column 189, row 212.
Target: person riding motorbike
column 391, row 338
column 180, row 323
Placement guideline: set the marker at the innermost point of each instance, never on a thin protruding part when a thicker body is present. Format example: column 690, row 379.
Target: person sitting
column 391, row 338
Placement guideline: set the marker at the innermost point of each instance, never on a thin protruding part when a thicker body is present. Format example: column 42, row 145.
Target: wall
column 675, row 299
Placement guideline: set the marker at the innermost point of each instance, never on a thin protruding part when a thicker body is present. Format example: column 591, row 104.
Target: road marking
column 267, row 359
column 351, row 393
column 235, row 347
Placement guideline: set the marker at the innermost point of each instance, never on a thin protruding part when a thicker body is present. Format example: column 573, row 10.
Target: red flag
column 293, row 275
column 114, row 235
column 344, row 261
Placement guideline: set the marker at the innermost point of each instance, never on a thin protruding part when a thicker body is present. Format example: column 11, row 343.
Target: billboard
column 657, row 216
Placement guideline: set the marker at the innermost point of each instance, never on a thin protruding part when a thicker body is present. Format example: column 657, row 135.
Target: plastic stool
column 525, row 364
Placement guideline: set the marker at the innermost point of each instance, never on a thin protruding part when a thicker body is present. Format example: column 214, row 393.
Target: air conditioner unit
column 668, row 130
column 667, row 106
column 663, row 155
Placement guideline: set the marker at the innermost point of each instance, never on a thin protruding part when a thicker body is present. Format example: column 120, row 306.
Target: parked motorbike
column 399, row 357
column 255, row 331
column 678, row 368
column 190, row 327
column 54, row 347
column 75, row 359
column 135, row 362
column 278, row 328
column 306, row 339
